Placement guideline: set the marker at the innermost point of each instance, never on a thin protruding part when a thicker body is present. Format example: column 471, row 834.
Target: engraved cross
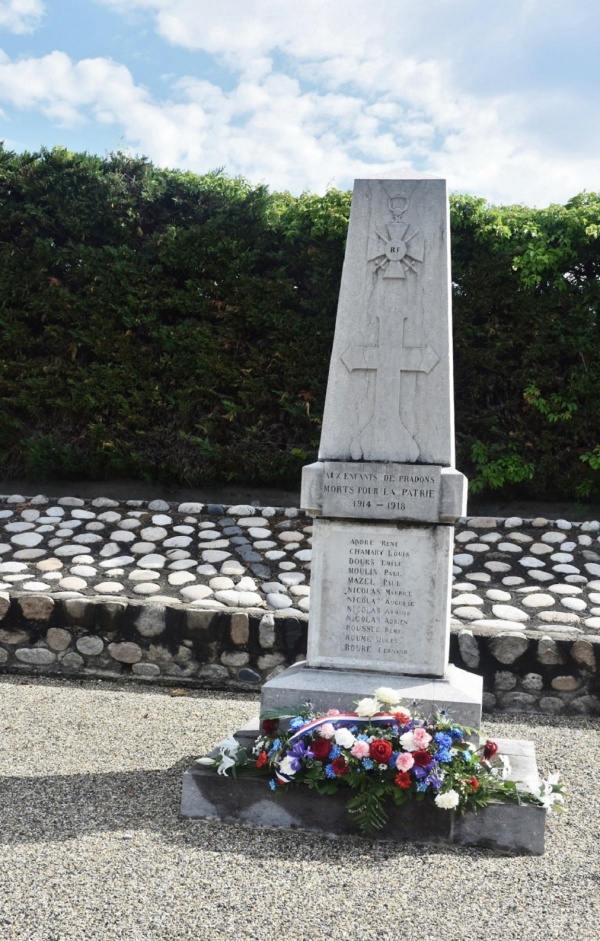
column 389, row 360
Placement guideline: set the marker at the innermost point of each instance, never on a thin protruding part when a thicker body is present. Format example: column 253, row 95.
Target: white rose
column 408, row 741
column 367, row 707
column 391, row 697
column 448, row 800
column 344, row 738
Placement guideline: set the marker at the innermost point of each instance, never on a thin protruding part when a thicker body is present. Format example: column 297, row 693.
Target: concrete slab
column 507, row 828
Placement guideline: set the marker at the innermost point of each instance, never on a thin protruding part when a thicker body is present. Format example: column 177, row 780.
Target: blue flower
column 455, row 734
column 467, row 755
column 273, row 784
column 422, row 785
column 297, row 723
column 419, row 773
column 433, row 781
column 275, row 746
column 300, row 750
column 335, row 752
column 368, row 763
column 362, row 738
column 392, row 761
column 443, row 755
column 330, row 772
column 443, row 739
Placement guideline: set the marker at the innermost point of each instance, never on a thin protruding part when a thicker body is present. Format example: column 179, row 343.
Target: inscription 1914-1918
column 380, row 491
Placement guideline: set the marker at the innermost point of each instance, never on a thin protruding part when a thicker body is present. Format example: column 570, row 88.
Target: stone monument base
column 508, row 828
column 459, row 692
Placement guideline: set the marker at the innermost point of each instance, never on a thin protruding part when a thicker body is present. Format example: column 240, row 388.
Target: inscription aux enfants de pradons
column 388, row 490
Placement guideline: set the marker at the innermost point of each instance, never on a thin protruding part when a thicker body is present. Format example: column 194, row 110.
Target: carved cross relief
column 390, row 358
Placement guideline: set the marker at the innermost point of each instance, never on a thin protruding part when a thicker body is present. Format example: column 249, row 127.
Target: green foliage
column 178, row 328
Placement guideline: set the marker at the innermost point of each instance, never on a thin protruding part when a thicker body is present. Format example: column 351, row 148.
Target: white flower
column 208, row 762
column 367, row 707
column 344, row 738
column 225, row 764
column 408, row 741
column 286, row 767
column 229, row 745
column 448, row 800
column 506, row 768
column 391, row 697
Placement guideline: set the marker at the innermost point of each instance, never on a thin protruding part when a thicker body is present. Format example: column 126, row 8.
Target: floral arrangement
column 380, row 753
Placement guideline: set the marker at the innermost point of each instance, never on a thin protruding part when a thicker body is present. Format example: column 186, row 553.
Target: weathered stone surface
column 551, row 705
column 270, row 660
column 3, row 655
column 469, row 649
column 583, row 653
column 151, row 620
column 200, row 624
column 508, row 647
column 159, row 654
column 90, row 644
column 58, row 639
column 508, row 612
column 533, row 682
column 72, row 661
column 266, row 631
column 4, row 603
column 235, row 658
column 548, row 652
column 145, row 669
column 36, row 607
column 125, row 652
column 14, row 637
column 213, row 671
column 36, row 656
column 518, row 702
column 566, row 684
column 239, row 628
column 504, row 680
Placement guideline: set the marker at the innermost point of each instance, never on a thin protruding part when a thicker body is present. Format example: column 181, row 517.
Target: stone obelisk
column 384, row 492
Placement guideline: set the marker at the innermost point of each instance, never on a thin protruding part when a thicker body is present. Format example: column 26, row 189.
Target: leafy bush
column 175, row 327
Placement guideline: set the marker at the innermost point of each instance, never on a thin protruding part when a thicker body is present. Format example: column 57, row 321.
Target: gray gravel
column 93, row 847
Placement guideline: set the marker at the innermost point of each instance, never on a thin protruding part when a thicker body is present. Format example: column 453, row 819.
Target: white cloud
column 322, row 92
column 20, row 16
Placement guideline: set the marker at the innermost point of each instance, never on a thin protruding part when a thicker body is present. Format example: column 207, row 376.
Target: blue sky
column 502, row 98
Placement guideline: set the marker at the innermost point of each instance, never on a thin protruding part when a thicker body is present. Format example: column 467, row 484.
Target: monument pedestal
column 458, row 692
column 508, row 828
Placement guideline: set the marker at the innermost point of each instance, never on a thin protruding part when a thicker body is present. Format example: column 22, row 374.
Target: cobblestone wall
column 150, row 642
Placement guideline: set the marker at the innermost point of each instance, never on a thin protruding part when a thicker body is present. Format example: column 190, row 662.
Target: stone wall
column 238, row 650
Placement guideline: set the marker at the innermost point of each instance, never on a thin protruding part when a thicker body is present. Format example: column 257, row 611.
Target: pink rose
column 421, row 738
column 405, row 761
column 332, row 712
column 360, row 750
column 326, row 731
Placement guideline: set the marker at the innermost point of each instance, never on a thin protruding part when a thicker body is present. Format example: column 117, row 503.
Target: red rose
column 402, row 779
column 262, row 758
column 422, row 758
column 473, row 783
column 380, row 751
column 269, row 726
column 339, row 766
column 490, row 749
column 321, row 748
column 402, row 717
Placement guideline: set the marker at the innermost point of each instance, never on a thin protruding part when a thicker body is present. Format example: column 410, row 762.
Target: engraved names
column 376, row 597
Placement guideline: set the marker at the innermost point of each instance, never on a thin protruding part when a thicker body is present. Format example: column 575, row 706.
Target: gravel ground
column 93, row 847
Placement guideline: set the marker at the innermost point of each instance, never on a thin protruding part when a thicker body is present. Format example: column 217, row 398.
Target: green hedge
column 172, row 327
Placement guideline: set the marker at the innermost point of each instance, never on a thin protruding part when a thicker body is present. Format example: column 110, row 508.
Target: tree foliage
column 175, row 327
